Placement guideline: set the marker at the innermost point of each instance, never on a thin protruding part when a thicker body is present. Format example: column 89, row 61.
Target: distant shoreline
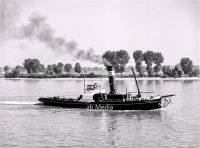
column 151, row 78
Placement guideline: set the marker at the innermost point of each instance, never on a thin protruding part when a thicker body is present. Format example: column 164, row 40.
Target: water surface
column 25, row 124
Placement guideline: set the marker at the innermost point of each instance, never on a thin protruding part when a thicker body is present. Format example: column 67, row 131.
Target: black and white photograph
column 100, row 73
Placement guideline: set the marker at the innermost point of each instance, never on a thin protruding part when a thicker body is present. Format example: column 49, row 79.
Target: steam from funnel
column 106, row 62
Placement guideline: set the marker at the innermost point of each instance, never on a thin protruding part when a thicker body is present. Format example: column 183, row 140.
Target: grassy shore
column 91, row 76
column 117, row 78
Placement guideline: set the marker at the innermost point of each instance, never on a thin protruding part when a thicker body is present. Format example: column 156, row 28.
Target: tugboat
column 99, row 100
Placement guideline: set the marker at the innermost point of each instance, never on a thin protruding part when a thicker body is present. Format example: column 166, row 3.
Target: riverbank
column 88, row 76
column 146, row 78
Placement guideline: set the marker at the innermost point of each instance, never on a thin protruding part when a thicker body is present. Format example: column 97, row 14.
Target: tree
column 138, row 57
column 60, row 68
column 35, row 65
column 57, row 69
column 158, row 59
column 1, row 70
column 77, row 68
column 116, row 59
column 49, row 69
column 149, row 69
column 6, row 68
column 41, row 68
column 117, row 68
column 32, row 65
column 68, row 67
column 111, row 57
column 176, row 72
column 167, row 72
column 186, row 65
column 195, row 73
column 149, row 59
column 122, row 59
column 27, row 65
column 17, row 71
column 54, row 66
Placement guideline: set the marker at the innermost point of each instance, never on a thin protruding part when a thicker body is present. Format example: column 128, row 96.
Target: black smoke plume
column 37, row 28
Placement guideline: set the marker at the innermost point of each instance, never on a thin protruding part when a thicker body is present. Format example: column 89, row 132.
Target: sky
column 171, row 27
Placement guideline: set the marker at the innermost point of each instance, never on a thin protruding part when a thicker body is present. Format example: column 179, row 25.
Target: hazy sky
column 169, row 26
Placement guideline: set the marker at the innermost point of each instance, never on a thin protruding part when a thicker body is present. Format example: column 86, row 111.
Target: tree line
column 33, row 66
column 148, row 62
column 153, row 61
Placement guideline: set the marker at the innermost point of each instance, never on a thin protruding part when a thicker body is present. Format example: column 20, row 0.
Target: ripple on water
column 25, row 124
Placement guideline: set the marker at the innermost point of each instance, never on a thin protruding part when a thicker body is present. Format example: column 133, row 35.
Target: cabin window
column 92, row 87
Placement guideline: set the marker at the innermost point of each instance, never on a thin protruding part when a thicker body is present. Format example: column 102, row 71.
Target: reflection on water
column 23, row 123
column 114, row 123
column 139, row 115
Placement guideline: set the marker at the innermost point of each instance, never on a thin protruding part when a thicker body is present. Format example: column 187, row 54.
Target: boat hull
column 129, row 105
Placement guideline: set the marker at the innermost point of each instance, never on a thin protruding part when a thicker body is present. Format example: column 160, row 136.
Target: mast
column 84, row 83
column 139, row 94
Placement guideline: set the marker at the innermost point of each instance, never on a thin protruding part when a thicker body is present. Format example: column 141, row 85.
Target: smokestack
column 111, row 75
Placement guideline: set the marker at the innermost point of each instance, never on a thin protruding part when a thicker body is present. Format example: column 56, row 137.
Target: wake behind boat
column 100, row 100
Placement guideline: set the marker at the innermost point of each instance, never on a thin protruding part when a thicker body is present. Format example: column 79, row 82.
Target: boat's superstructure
column 98, row 99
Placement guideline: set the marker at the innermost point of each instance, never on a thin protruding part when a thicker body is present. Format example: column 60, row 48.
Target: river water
column 25, row 123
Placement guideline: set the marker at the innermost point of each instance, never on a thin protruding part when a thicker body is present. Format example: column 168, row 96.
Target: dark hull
column 131, row 105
